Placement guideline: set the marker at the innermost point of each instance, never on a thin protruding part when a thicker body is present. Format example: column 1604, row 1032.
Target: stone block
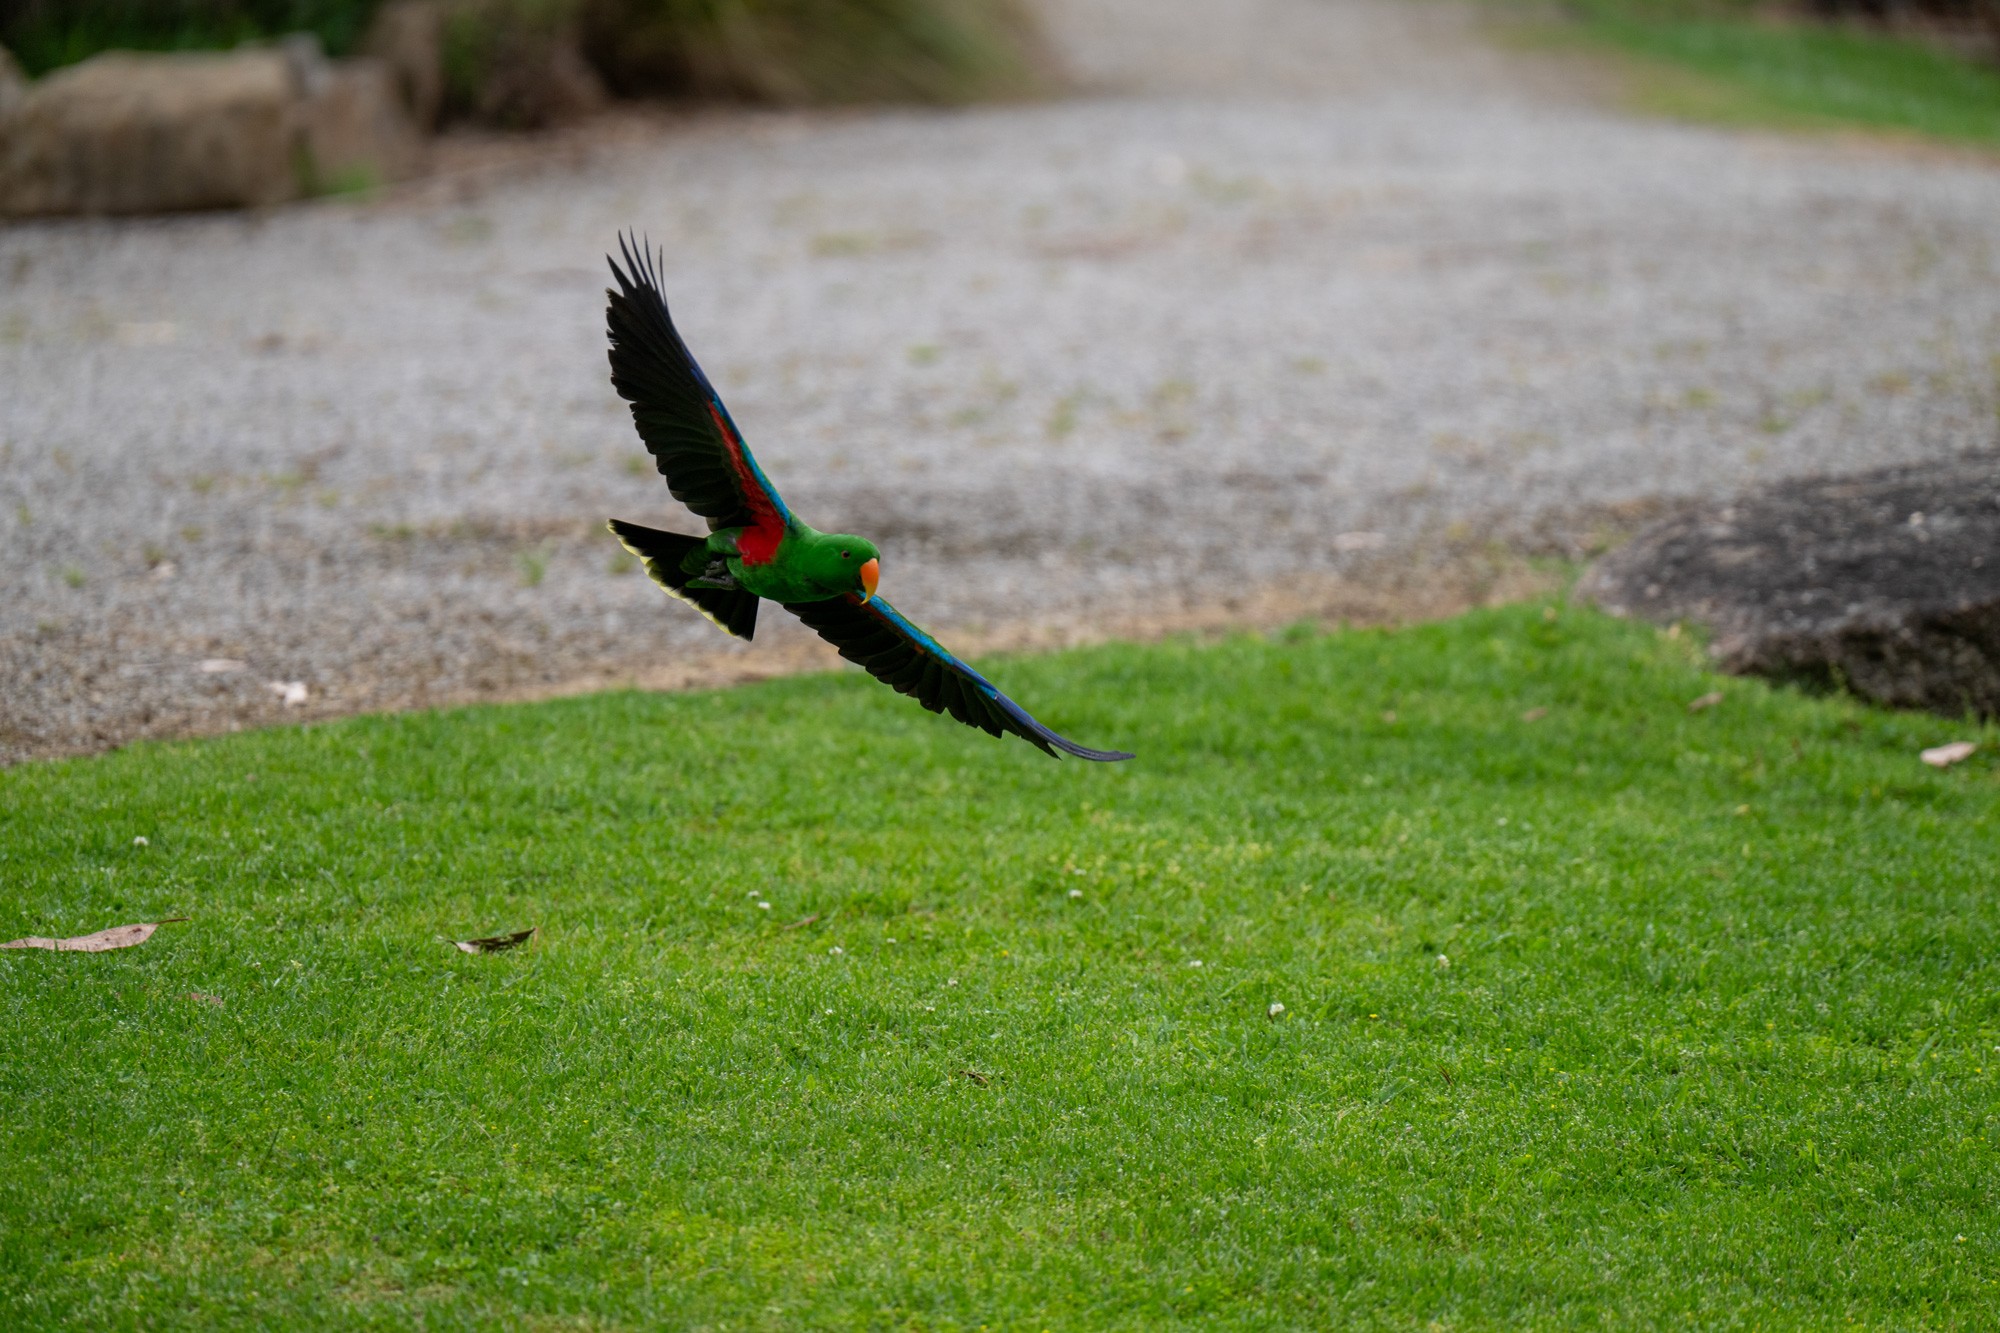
column 355, row 130
column 130, row 133
column 125, row 132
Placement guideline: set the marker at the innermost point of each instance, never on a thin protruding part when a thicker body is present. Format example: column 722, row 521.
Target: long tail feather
column 732, row 609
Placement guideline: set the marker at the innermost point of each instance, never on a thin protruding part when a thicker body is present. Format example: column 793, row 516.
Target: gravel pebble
column 1339, row 270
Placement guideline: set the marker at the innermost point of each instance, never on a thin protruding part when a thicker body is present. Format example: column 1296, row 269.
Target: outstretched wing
column 876, row 635
column 679, row 415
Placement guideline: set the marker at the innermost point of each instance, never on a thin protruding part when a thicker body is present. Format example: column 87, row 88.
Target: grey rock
column 354, row 129
column 1887, row 582
column 125, row 132
column 129, row 133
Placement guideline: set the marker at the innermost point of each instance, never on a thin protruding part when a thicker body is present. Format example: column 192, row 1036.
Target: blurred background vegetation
column 1928, row 67
column 788, row 51
column 46, row 34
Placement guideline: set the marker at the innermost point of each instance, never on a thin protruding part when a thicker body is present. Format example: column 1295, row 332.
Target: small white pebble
column 1274, row 1010
column 829, row 1013
column 951, row 981
column 1443, row 963
column 836, row 951
column 1076, row 893
column 763, row 907
column 890, row 940
column 1194, row 962
column 140, row 841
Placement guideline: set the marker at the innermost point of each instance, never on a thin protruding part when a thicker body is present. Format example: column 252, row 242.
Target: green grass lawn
column 1621, row 1016
column 1714, row 62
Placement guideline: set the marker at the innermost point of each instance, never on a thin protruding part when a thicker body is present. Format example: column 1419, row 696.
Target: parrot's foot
column 716, row 575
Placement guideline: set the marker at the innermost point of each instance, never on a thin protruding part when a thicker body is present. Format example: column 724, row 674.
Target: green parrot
column 756, row 549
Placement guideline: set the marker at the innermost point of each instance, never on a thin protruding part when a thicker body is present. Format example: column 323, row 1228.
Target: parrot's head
column 841, row 563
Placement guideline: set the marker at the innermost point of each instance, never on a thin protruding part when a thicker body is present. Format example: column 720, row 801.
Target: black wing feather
column 876, row 636
column 734, row 609
column 679, row 415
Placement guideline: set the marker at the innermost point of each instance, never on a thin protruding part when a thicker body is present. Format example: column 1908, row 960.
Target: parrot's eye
column 843, row 555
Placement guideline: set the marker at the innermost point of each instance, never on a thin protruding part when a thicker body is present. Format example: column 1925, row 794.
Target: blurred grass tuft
column 802, row 51
column 1743, row 62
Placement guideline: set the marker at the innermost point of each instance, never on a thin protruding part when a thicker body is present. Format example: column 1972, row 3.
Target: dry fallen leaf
column 497, row 943
column 1709, row 700
column 221, row 666
column 1534, row 715
column 1944, row 756
column 202, row 997
column 974, row 1075
column 1360, row 541
column 118, row 937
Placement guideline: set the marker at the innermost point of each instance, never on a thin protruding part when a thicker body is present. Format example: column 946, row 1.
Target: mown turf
column 1719, row 62
column 1622, row 1016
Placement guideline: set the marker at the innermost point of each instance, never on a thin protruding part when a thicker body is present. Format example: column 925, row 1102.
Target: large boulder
column 1886, row 582
column 129, row 133
column 354, row 130
column 125, row 132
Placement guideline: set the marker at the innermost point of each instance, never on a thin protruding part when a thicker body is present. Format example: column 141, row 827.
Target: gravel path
column 1331, row 268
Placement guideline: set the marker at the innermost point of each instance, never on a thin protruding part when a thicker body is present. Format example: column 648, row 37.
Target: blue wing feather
column 895, row 651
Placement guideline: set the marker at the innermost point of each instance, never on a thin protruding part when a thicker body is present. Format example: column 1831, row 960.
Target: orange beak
column 871, row 570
